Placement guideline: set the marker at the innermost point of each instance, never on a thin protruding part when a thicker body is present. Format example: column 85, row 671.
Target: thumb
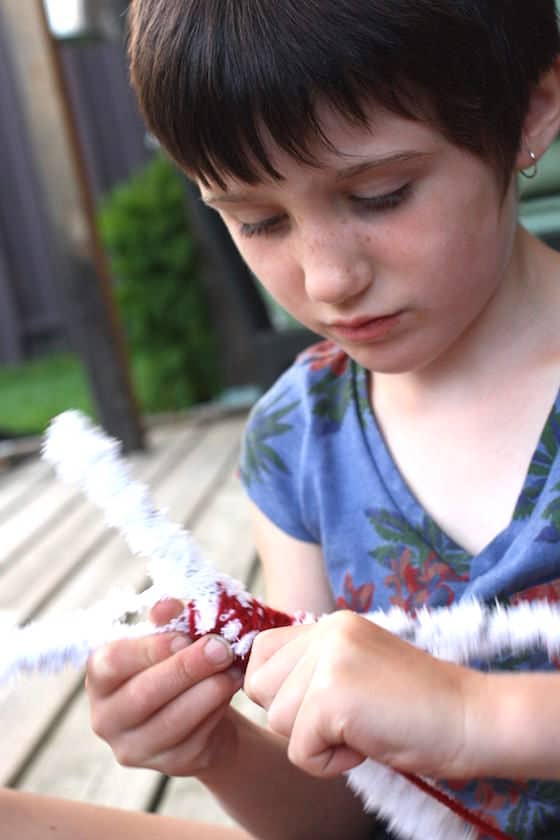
column 216, row 651
column 204, row 658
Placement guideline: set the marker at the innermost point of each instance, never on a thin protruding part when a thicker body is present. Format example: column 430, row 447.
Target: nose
column 335, row 268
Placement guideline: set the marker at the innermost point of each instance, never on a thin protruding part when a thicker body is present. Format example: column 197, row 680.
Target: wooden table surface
column 56, row 555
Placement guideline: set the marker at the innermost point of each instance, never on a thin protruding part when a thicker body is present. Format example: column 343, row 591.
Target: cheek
column 276, row 271
column 455, row 247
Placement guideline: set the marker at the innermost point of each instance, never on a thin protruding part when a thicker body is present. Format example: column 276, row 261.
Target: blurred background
column 119, row 293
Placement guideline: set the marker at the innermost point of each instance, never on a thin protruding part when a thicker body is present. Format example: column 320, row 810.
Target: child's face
column 392, row 246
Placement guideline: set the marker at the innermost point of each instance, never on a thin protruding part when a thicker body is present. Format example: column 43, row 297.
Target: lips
column 364, row 328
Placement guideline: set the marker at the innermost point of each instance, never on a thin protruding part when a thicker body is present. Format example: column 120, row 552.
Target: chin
column 384, row 361
column 399, row 355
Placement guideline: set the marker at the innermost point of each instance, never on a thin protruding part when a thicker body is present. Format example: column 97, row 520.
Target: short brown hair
column 214, row 77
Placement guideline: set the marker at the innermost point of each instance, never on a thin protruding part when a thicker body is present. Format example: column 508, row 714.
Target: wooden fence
column 113, row 140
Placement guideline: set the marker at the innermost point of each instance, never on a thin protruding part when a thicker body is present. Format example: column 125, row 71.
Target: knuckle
column 98, row 723
column 252, row 687
column 156, row 648
column 340, row 626
column 140, row 700
column 295, row 754
column 175, row 764
column 276, row 720
column 126, row 755
column 263, row 644
column 184, row 671
column 102, row 667
column 343, row 620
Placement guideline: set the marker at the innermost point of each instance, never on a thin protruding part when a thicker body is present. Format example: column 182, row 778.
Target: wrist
column 500, row 715
column 516, row 726
column 479, row 723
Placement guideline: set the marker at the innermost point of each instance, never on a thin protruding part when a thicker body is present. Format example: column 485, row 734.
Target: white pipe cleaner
column 84, row 456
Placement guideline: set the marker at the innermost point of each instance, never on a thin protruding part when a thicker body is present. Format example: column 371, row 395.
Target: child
column 363, row 155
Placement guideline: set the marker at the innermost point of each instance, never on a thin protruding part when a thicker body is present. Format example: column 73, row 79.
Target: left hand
column 344, row 689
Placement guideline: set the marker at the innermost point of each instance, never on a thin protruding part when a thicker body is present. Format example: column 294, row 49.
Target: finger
column 285, row 706
column 317, row 742
column 268, row 642
column 111, row 666
column 184, row 719
column 145, row 693
column 327, row 764
column 162, row 612
column 191, row 755
column 262, row 683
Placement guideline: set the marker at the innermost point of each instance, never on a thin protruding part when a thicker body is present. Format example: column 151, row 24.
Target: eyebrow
column 374, row 163
column 342, row 174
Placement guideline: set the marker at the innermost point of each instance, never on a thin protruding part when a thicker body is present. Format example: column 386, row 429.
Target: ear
column 542, row 123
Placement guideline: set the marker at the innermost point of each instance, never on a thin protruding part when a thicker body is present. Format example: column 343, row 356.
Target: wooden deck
column 56, row 555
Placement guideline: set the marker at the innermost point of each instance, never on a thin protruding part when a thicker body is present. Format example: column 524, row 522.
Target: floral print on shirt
column 382, row 550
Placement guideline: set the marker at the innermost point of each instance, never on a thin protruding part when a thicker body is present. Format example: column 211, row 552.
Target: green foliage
column 159, row 290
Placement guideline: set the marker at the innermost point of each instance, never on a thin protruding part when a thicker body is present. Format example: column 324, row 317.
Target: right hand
column 161, row 702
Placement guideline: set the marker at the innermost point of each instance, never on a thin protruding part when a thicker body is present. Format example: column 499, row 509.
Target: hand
column 344, row 689
column 160, row 702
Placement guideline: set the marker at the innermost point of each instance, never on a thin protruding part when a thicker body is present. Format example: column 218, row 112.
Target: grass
column 31, row 394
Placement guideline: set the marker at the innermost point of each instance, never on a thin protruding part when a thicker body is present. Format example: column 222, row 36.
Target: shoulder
column 285, row 427
column 307, row 391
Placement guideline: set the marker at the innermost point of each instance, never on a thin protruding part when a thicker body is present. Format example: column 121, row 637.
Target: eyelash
column 376, row 204
column 265, row 228
column 382, row 203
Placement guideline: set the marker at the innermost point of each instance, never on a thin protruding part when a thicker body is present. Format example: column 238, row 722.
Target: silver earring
column 532, row 171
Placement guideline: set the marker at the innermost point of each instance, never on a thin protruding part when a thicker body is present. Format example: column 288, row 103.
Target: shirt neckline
column 407, row 503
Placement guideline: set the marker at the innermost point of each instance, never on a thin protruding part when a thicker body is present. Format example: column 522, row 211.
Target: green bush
column 159, row 291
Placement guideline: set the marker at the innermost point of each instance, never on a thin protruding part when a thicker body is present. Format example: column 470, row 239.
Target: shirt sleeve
column 273, row 455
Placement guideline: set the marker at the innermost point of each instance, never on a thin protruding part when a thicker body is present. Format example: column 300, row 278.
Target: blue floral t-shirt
column 315, row 462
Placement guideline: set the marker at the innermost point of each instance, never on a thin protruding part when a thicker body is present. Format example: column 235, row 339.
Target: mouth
column 366, row 328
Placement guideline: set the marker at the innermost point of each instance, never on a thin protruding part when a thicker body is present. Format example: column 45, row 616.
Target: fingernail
column 217, row 651
column 179, row 643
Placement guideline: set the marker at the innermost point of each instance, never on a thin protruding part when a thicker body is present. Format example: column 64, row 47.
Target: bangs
column 223, row 82
column 245, row 80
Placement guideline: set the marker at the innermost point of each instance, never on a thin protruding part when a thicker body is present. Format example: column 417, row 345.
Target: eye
column 379, row 203
column 266, row 227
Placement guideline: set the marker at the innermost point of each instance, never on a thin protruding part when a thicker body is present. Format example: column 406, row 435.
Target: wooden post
column 85, row 284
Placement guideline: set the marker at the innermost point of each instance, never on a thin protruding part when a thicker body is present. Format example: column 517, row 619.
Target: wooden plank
column 24, row 480
column 222, row 526
column 49, row 506
column 34, row 579
column 74, row 764
column 30, row 709
column 224, row 529
column 18, row 484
